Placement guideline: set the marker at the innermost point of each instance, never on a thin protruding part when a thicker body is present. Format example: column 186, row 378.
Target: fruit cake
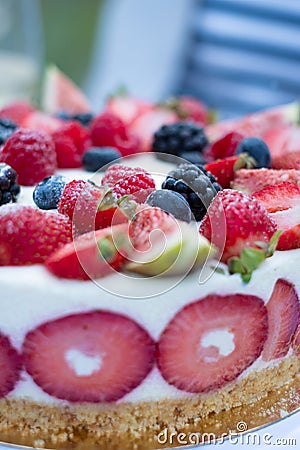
column 149, row 292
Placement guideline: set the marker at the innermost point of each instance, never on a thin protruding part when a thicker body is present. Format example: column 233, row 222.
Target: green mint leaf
column 235, row 265
column 107, row 249
column 273, row 243
column 246, row 277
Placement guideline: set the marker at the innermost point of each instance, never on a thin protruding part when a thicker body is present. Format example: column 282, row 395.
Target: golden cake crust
column 137, row 425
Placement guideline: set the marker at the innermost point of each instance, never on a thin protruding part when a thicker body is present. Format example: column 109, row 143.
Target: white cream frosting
column 31, row 295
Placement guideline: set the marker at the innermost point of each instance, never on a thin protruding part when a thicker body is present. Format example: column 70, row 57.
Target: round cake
column 148, row 293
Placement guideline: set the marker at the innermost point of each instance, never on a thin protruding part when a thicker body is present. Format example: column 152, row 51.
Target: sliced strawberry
column 283, row 202
column 91, row 255
column 209, row 343
column 234, row 221
column 256, row 124
column 40, row 121
column 145, row 125
column 224, row 147
column 250, row 181
column 283, row 316
column 92, row 357
column 10, row 366
column 224, row 169
column 284, row 145
column 127, row 108
column 29, row 236
column 279, row 197
column 16, row 111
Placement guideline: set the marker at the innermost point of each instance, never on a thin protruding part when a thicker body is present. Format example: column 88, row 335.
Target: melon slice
column 61, row 94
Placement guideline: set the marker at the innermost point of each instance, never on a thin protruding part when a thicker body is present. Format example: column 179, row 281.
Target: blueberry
column 171, row 202
column 48, row 192
column 256, row 148
column 97, row 157
column 193, row 157
column 83, row 118
column 7, row 128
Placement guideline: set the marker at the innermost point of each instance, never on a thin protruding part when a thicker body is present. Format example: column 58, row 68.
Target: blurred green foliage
column 69, row 32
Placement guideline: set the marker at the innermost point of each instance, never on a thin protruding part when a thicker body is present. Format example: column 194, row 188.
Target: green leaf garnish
column 251, row 258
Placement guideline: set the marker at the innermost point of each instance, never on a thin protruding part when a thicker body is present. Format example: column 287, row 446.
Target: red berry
column 91, row 255
column 253, row 180
column 282, row 202
column 71, row 140
column 126, row 180
column 10, row 366
column 16, row 111
column 284, row 146
column 224, row 169
column 93, row 357
column 128, row 146
column 191, row 109
column 32, row 154
column 127, row 108
column 146, row 124
column 235, row 221
column 212, row 341
column 225, row 146
column 105, row 127
column 29, row 235
column 283, row 317
column 89, row 206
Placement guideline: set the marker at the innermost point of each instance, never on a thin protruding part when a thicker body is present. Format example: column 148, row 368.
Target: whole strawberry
column 234, row 221
column 29, row 236
column 31, row 154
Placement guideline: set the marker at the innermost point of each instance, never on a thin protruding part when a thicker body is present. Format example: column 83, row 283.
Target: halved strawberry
column 97, row 356
column 145, row 125
column 279, row 197
column 189, row 108
column 253, row 180
column 127, row 108
column 91, row 255
column 16, row 111
column 10, row 366
column 283, row 316
column 212, row 341
column 283, row 202
column 284, row 145
column 224, row 169
column 38, row 120
column 224, row 147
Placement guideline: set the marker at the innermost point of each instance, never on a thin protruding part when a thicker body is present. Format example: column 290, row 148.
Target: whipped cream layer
column 31, row 295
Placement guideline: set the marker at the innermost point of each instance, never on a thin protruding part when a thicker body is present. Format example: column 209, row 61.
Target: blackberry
column 9, row 188
column 7, row 127
column 195, row 184
column 179, row 138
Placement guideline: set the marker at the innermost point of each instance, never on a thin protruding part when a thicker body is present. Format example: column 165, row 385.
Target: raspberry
column 31, row 154
column 105, row 127
column 69, row 197
column 108, row 130
column 127, row 180
column 29, row 235
column 71, row 140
